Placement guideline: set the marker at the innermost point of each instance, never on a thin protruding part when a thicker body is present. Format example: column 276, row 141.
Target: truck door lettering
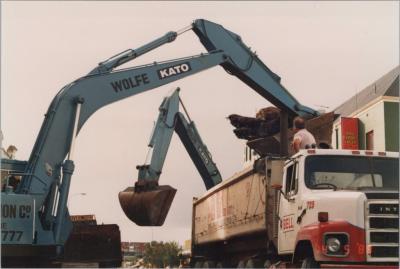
column 287, row 223
column 310, row 204
column 130, row 82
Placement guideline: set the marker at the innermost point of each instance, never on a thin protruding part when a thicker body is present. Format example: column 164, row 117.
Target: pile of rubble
column 263, row 132
column 266, row 123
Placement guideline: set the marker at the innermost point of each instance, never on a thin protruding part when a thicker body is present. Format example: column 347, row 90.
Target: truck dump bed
column 242, row 204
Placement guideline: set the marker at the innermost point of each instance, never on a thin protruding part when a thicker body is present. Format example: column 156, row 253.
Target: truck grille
column 382, row 230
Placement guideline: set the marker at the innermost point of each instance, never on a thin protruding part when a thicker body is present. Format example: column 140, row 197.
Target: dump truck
column 317, row 208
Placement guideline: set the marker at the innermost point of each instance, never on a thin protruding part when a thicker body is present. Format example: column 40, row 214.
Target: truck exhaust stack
column 147, row 207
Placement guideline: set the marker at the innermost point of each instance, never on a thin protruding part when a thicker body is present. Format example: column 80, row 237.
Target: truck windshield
column 351, row 172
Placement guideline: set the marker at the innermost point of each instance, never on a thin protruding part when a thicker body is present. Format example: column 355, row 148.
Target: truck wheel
column 309, row 263
column 209, row 264
column 222, row 265
column 198, row 264
column 110, row 264
column 241, row 264
column 267, row 264
column 254, row 263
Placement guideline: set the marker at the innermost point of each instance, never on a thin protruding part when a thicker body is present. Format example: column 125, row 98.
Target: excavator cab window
column 10, row 180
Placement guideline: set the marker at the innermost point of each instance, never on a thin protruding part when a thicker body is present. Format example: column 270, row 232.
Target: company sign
column 174, row 70
column 17, row 219
column 349, row 128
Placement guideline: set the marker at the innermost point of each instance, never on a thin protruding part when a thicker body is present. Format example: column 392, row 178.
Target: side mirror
column 278, row 187
column 284, row 195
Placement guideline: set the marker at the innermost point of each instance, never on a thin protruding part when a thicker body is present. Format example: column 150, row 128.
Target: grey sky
column 323, row 51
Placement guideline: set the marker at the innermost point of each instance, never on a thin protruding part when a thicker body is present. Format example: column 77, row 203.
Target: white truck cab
column 341, row 206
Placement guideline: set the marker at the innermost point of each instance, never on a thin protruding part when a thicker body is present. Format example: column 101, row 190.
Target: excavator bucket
column 147, row 207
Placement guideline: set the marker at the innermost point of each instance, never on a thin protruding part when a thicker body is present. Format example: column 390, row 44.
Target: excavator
column 35, row 217
column 145, row 212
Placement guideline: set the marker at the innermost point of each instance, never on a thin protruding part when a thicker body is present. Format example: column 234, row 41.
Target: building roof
column 388, row 85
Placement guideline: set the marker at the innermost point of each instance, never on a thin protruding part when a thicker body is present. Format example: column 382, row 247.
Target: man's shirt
column 305, row 137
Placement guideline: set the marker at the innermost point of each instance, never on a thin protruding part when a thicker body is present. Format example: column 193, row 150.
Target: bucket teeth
column 147, row 207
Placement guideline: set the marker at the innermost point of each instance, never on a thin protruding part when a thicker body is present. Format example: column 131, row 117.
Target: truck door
column 288, row 209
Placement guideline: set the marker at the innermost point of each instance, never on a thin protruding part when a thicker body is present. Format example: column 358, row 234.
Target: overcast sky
column 324, row 52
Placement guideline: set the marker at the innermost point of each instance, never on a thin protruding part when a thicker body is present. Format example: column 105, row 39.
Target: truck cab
column 340, row 207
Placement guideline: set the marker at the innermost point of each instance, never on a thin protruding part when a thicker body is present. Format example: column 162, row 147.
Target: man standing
column 302, row 139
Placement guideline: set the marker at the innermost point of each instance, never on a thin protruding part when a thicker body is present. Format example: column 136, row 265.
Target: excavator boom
column 245, row 64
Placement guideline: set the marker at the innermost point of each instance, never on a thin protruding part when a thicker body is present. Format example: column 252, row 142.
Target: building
column 133, row 248
column 370, row 119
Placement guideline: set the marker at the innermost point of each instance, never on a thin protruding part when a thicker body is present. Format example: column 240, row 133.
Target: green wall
column 361, row 134
column 391, row 126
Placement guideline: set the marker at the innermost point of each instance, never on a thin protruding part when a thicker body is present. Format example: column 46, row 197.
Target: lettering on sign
column 204, row 155
column 130, row 82
column 360, row 248
column 11, row 235
column 174, row 70
column 350, row 138
column 16, row 211
column 287, row 223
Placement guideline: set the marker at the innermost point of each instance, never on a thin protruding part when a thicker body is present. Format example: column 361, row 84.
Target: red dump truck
column 318, row 208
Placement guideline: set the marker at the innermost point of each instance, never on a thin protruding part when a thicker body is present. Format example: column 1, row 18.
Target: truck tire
column 110, row 264
column 222, row 265
column 267, row 264
column 208, row 264
column 198, row 264
column 309, row 263
column 241, row 264
column 254, row 263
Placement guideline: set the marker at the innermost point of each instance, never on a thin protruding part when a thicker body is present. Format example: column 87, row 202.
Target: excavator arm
column 148, row 203
column 46, row 180
column 169, row 120
column 198, row 151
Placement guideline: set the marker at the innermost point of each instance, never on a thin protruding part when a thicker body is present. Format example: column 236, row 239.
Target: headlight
column 336, row 244
column 333, row 244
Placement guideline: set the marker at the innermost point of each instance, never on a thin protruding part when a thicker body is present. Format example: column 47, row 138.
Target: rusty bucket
column 147, row 207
